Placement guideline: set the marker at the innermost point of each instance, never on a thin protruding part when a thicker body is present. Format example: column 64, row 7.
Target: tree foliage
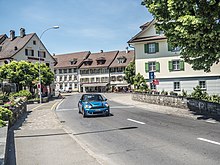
column 139, row 81
column 130, row 73
column 193, row 25
column 26, row 74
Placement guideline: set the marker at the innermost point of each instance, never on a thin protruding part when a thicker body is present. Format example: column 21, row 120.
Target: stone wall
column 198, row 106
column 173, row 101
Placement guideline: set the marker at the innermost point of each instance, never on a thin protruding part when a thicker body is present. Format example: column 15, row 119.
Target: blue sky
column 85, row 25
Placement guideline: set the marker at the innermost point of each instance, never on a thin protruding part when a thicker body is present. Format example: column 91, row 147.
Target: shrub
column 5, row 115
column 23, row 93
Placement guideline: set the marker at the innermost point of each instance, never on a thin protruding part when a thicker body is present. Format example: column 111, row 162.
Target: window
column 29, row 52
column 97, row 79
column 176, row 65
column 75, row 77
column 92, row 80
column 42, row 54
column 70, row 70
column 34, row 42
column 74, row 70
column 65, row 78
column 173, row 49
column 152, row 67
column 70, row 77
column 176, row 86
column 60, row 71
column 151, row 48
column 202, row 84
column 55, row 71
column 64, row 70
column 61, row 78
column 75, row 85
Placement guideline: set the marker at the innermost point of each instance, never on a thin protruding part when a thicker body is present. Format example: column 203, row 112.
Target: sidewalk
column 125, row 98
column 40, row 140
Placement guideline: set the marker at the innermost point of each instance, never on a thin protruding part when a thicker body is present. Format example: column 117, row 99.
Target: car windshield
column 92, row 98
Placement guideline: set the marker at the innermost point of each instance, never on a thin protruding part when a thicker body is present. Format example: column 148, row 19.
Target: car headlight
column 106, row 104
column 88, row 106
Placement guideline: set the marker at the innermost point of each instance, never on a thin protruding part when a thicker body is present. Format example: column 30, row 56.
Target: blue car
column 93, row 104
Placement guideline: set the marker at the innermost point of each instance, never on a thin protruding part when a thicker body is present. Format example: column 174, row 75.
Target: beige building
column 117, row 68
column 153, row 56
column 94, row 72
column 27, row 47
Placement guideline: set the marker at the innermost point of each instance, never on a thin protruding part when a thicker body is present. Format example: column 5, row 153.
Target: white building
column 67, row 71
column 94, row 72
column 153, row 55
column 27, row 47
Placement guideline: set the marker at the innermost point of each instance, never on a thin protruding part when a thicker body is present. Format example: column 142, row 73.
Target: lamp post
column 39, row 84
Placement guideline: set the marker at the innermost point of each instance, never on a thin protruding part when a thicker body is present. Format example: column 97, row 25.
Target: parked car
column 93, row 104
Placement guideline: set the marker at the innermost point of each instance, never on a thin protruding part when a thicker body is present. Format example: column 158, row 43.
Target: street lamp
column 39, row 85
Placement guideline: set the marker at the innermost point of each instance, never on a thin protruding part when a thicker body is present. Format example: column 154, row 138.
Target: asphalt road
column 137, row 136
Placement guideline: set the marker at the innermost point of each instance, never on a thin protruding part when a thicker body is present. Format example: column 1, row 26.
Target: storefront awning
column 121, row 85
column 95, row 85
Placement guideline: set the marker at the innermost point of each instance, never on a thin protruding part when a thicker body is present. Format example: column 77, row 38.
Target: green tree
column 26, row 74
column 139, row 81
column 193, row 25
column 130, row 73
column 47, row 76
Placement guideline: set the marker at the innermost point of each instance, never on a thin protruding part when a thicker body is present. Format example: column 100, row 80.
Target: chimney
column 101, row 51
column 126, row 49
column 12, row 34
column 22, row 32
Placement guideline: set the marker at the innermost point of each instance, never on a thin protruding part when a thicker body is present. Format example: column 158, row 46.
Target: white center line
column 209, row 141
column 139, row 122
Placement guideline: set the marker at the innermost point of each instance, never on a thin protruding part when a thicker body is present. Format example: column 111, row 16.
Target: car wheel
column 108, row 113
column 83, row 112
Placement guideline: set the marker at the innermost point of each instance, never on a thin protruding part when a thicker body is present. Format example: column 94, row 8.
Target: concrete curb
column 3, row 144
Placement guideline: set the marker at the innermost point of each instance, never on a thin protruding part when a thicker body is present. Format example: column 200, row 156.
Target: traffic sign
column 155, row 82
column 151, row 75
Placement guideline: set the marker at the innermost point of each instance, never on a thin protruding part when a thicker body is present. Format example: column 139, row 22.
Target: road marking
column 139, row 122
column 211, row 121
column 37, row 107
column 59, row 104
column 74, row 109
column 125, row 106
column 209, row 141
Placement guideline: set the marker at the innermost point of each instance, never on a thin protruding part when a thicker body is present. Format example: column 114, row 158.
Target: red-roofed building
column 94, row 72
column 117, row 68
column 66, row 70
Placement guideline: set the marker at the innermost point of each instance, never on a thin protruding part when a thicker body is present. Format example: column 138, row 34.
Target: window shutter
column 146, row 67
column 170, row 66
column 146, row 48
column 157, row 67
column 156, row 47
column 182, row 65
column 169, row 47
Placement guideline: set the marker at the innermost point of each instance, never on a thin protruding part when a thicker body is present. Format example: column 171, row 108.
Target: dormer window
column 88, row 61
column 100, row 60
column 73, row 61
column 121, row 59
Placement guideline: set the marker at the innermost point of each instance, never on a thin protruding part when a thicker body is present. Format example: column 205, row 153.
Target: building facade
column 94, row 72
column 163, row 68
column 116, row 71
column 26, row 47
column 67, row 71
